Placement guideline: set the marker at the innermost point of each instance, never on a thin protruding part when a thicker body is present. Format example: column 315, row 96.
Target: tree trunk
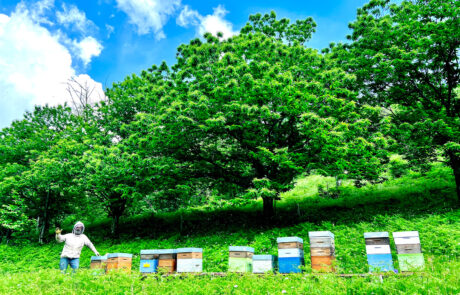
column 115, row 227
column 455, row 165
column 269, row 211
column 45, row 223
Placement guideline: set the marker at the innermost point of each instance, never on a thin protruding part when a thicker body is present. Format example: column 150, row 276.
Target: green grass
column 410, row 203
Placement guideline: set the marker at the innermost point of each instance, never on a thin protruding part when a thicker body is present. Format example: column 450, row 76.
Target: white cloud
column 87, row 49
column 109, row 29
column 149, row 15
column 188, row 17
column 34, row 65
column 212, row 23
column 72, row 17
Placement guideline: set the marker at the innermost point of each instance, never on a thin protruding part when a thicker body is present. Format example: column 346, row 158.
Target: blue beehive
column 287, row 262
column 378, row 251
column 380, row 262
column 149, row 261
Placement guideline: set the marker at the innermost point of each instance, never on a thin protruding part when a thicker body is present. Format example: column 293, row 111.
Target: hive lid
column 381, row 234
column 190, row 250
column 289, row 240
column 155, row 251
column 240, row 249
column 114, row 255
column 320, row 234
column 404, row 234
column 263, row 257
column 167, row 251
column 99, row 258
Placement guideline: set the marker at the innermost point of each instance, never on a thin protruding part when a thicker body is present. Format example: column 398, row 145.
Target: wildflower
column 284, row 291
column 236, row 286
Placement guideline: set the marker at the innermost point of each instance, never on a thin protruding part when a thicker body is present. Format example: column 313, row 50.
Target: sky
column 44, row 44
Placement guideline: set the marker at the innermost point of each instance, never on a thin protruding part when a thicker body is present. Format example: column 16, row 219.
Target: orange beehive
column 98, row 262
column 167, row 260
column 323, row 263
column 119, row 261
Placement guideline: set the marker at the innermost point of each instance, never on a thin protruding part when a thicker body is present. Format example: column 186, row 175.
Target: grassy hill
column 413, row 202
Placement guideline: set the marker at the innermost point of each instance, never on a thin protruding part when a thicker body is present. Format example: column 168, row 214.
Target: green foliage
column 405, row 59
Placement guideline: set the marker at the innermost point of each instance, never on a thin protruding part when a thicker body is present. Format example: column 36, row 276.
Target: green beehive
column 411, row 262
column 240, row 259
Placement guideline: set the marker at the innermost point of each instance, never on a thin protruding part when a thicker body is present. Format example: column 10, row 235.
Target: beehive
column 410, row 255
column 119, row 261
column 378, row 251
column 149, row 261
column 290, row 260
column 322, row 250
column 263, row 263
column 189, row 260
column 240, row 259
column 167, row 259
column 98, row 262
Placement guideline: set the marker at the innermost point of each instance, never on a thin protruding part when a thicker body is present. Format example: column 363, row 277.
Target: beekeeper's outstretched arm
column 91, row 246
column 60, row 238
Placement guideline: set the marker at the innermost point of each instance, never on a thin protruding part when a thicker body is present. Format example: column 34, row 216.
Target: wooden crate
column 239, row 264
column 322, row 260
column 240, row 254
column 406, row 237
column 378, row 249
column 322, row 251
column 119, row 261
column 167, row 264
column 263, row 263
column 190, row 265
column 290, row 245
column 380, row 262
column 377, row 241
column 411, row 262
column 377, row 238
column 290, row 264
column 408, row 248
column 290, row 252
column 193, row 255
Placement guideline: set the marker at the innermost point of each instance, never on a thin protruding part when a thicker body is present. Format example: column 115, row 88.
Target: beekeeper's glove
column 58, row 231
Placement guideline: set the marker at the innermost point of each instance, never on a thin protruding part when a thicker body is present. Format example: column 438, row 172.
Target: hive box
column 240, row 259
column 263, row 263
column 119, row 261
column 290, row 260
column 167, row 260
column 411, row 262
column 189, row 260
column 98, row 262
column 410, row 255
column 149, row 261
column 380, row 262
column 322, row 250
column 378, row 251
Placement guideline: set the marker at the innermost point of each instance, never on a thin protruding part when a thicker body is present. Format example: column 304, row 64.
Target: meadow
column 413, row 202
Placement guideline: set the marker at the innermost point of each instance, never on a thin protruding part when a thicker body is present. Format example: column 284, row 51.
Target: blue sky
column 45, row 43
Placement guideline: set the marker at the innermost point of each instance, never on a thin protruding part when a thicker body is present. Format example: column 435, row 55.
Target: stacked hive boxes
column 378, row 251
column 120, row 261
column 410, row 255
column 290, row 253
column 240, row 259
column 322, row 250
column 167, row 260
column 98, row 262
column 149, row 261
column 189, row 260
column 263, row 263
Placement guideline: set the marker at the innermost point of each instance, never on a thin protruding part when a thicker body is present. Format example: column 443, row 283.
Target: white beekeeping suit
column 75, row 241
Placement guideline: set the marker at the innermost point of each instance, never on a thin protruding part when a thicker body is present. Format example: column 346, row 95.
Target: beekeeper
column 74, row 243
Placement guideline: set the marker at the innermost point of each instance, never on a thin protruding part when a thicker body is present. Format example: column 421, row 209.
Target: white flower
column 284, row 291
column 236, row 286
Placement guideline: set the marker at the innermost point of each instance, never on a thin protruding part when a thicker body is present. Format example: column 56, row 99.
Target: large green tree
column 254, row 111
column 406, row 59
